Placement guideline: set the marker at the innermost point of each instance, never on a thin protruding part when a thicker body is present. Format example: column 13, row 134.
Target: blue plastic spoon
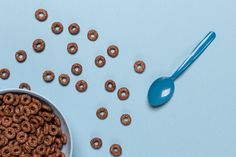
column 162, row 89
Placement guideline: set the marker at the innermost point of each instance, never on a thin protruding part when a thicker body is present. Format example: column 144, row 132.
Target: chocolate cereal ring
column 72, row 48
column 33, row 108
column 6, row 121
column 21, row 137
column 41, row 149
column 100, row 61
column 74, row 28
column 48, row 76
column 102, row 113
column 57, row 27
column 26, row 126
column 46, row 116
column 6, row 151
column 4, row 73
column 46, row 108
column 92, row 35
column 10, row 133
column 81, row 86
column 8, row 98
column 25, row 99
column 96, row 143
column 19, row 111
column 24, row 86
column 53, row 130
column 58, row 143
column 39, row 45
column 16, row 100
column 123, row 93
column 48, row 140
column 139, row 66
column 125, row 119
column 110, row 85
column 116, row 150
column 21, row 56
column 41, row 14
column 64, row 138
column 16, row 127
column 76, row 69
column 16, row 150
column 9, row 110
column 33, row 141
column 113, row 51
column 64, row 79
column 2, row 140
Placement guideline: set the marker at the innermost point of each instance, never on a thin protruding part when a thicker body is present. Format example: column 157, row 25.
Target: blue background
column 200, row 120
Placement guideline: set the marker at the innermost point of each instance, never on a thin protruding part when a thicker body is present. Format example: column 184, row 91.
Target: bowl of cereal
column 30, row 125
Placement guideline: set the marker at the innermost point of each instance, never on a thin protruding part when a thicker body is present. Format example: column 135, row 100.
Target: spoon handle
column 201, row 47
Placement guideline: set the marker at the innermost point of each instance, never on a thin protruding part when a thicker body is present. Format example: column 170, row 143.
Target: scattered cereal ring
column 76, row 69
column 24, row 86
column 126, row 119
column 92, row 35
column 116, row 150
column 48, row 76
column 72, row 48
column 96, row 143
column 100, row 61
column 113, row 51
column 39, row 45
column 57, row 27
column 102, row 113
column 21, row 56
column 64, row 79
column 123, row 93
column 74, row 28
column 41, row 14
column 110, row 85
column 139, row 66
column 81, row 86
column 8, row 98
column 4, row 73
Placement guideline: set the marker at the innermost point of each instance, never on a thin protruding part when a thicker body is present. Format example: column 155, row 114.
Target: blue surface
column 199, row 121
column 162, row 89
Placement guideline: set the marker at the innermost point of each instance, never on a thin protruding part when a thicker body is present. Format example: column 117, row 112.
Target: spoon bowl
column 161, row 91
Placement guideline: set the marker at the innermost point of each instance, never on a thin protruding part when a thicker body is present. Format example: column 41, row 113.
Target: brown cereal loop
column 19, row 111
column 33, row 141
column 72, row 48
column 64, row 79
column 26, row 126
column 41, row 149
column 96, row 143
column 100, row 61
column 46, row 107
column 74, row 28
column 41, row 14
column 24, row 86
column 16, row 127
column 123, row 93
column 33, row 108
column 92, row 35
column 21, row 137
column 57, row 121
column 48, row 140
column 57, row 27
column 16, row 118
column 10, row 133
column 25, row 99
column 46, row 116
column 139, row 66
column 6, row 151
column 16, row 150
column 48, row 76
column 110, row 85
column 39, row 45
column 116, row 150
column 4, row 73
column 53, row 130
column 64, row 138
column 6, row 121
column 102, row 113
column 8, row 98
column 21, row 56
column 81, row 86
column 125, row 119
column 76, row 69
column 113, row 51
column 58, row 143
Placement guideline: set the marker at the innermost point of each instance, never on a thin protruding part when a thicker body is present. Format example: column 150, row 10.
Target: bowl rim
column 36, row 94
